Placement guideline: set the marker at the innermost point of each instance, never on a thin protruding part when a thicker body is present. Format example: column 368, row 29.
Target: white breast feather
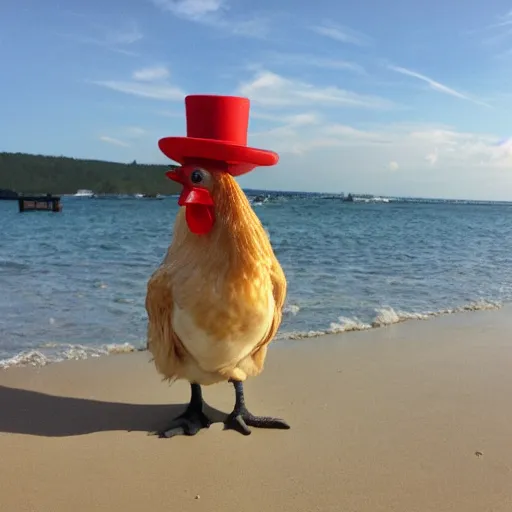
column 212, row 354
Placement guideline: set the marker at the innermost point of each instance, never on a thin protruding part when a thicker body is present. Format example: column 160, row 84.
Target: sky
column 402, row 98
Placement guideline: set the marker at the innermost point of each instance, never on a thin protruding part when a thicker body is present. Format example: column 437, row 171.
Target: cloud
column 338, row 133
column 214, row 13
column 497, row 35
column 128, row 35
column 432, row 157
column 151, row 74
column 111, row 38
column 341, row 34
column 269, row 89
column 190, row 9
column 504, row 21
column 416, row 147
column 134, row 131
column 301, row 59
column 437, row 86
column 114, row 141
column 434, row 160
column 145, row 90
column 147, row 83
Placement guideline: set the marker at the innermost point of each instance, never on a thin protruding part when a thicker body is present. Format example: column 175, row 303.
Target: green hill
column 38, row 174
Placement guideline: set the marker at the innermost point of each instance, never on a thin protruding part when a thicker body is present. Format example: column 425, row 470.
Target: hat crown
column 215, row 117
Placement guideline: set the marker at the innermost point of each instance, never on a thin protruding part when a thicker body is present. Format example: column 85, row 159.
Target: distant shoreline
column 6, row 195
column 60, row 175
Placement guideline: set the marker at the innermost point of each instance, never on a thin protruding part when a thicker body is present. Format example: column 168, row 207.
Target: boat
column 258, row 200
column 149, row 196
column 364, row 198
column 83, row 192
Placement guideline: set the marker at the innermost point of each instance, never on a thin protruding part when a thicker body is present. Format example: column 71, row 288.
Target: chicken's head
column 196, row 196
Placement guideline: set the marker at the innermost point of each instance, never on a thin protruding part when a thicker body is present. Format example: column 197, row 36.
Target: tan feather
column 222, row 292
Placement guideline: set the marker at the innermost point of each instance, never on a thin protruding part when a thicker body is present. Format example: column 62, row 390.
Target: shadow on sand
column 39, row 414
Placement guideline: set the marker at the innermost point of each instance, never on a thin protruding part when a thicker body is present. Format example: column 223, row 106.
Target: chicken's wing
column 162, row 342
column 279, row 287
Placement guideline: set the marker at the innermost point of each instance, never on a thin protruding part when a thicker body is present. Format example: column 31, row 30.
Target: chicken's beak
column 199, row 211
column 174, row 175
column 190, row 195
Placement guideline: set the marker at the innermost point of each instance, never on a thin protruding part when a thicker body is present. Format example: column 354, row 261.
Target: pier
column 39, row 203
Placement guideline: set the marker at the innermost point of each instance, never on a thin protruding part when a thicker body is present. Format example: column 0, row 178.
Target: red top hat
column 217, row 130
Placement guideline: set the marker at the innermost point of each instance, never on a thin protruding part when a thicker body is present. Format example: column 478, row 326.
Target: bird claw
column 187, row 424
column 243, row 420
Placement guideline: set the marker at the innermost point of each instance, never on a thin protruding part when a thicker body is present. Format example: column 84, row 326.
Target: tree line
column 40, row 174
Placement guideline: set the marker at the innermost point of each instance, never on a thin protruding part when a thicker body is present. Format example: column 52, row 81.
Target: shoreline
column 386, row 316
column 413, row 417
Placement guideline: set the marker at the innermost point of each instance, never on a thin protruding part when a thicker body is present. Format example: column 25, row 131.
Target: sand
column 413, row 417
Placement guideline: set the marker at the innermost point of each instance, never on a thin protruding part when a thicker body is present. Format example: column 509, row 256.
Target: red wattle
column 200, row 218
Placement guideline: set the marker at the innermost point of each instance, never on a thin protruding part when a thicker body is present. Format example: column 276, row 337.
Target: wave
column 291, row 309
column 55, row 352
column 386, row 316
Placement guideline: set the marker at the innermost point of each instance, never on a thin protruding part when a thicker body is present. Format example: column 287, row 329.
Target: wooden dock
column 39, row 203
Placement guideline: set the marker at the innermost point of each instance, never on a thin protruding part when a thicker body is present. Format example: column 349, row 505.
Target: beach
column 411, row 417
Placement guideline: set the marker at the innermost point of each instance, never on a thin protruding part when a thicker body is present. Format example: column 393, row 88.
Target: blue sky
column 398, row 98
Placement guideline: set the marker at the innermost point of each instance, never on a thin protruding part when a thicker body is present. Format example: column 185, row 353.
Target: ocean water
column 73, row 284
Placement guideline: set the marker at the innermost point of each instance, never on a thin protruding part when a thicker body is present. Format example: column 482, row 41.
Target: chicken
column 215, row 302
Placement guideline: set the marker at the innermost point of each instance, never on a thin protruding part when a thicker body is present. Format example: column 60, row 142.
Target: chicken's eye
column 196, row 177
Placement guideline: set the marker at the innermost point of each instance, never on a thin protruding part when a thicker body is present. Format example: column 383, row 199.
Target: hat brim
column 240, row 159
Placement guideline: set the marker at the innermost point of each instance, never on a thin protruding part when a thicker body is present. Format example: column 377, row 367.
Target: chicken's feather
column 279, row 287
column 223, row 292
column 162, row 342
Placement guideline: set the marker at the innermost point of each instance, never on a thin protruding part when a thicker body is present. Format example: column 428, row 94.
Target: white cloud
column 134, row 131
column 214, row 14
column 152, row 73
column 498, row 36
column 341, row 34
column 415, row 147
column 256, row 27
column 190, row 9
column 432, row 157
column 387, row 159
column 291, row 119
column 146, row 83
column 437, row 86
column 116, row 39
column 353, row 136
column 299, row 59
column 146, row 90
column 305, row 119
column 269, row 89
column 114, row 141
column 504, row 21
column 127, row 35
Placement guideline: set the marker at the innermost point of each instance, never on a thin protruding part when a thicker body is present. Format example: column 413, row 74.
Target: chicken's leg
column 192, row 420
column 241, row 419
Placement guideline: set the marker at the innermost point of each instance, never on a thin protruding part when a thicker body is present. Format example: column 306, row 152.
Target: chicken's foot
column 192, row 420
column 241, row 419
